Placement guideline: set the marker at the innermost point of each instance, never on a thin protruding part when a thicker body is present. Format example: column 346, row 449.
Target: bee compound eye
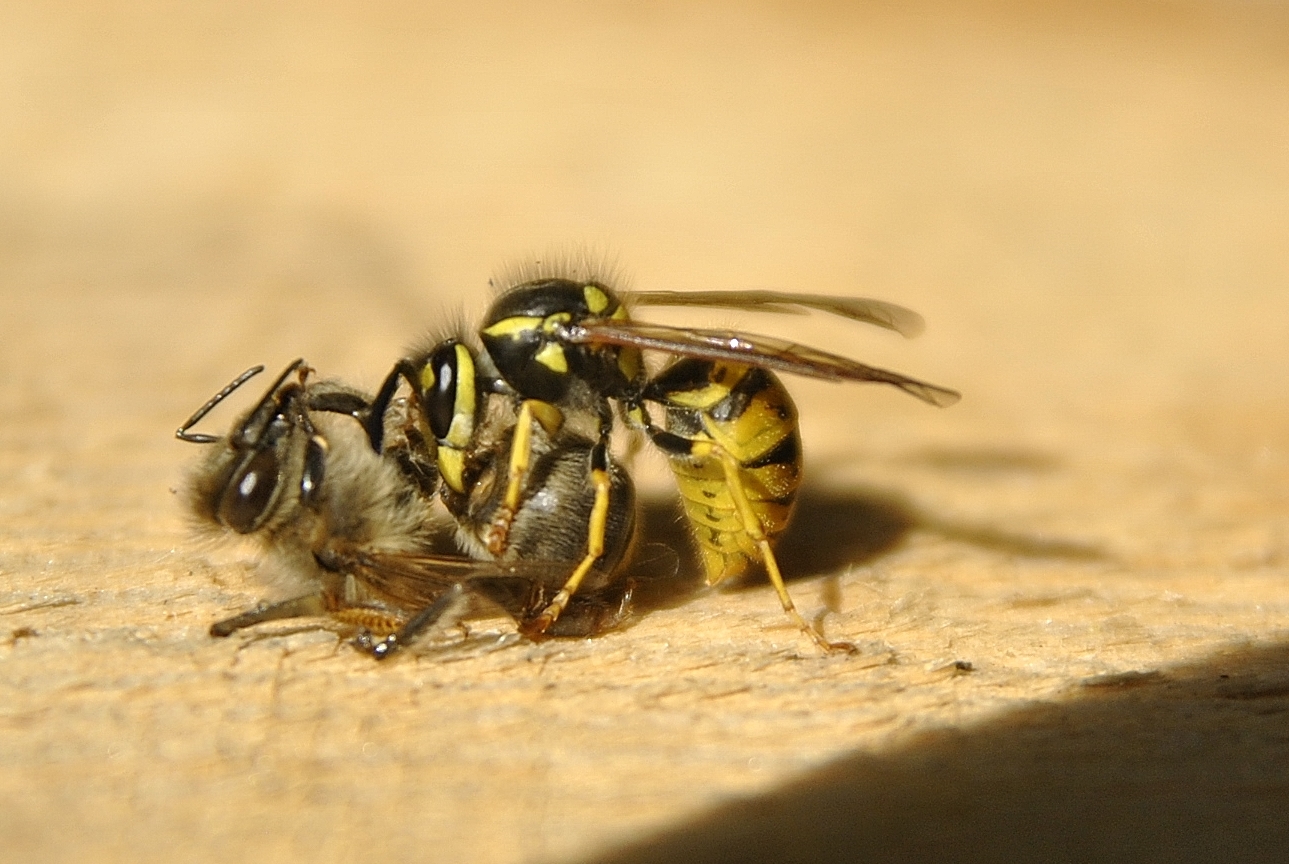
column 251, row 492
column 315, row 466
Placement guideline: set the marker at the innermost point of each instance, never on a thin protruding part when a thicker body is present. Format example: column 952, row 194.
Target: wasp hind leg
column 703, row 451
column 752, row 526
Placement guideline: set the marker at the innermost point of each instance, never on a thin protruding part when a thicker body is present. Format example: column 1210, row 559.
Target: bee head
column 271, row 450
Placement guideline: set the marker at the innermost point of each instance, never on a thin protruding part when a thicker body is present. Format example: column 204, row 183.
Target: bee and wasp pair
column 512, row 435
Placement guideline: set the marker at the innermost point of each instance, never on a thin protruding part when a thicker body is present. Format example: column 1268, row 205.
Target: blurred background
column 1086, row 175
column 1088, row 201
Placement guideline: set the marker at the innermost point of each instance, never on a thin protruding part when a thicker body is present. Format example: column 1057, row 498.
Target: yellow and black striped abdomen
column 741, row 427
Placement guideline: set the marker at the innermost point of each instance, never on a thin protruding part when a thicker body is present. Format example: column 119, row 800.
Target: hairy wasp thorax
column 530, row 334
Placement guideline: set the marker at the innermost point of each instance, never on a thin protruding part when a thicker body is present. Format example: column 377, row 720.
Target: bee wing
column 767, row 352
column 416, row 580
column 904, row 321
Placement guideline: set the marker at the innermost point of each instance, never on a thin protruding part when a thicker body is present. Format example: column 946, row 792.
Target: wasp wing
column 904, row 321
column 766, row 352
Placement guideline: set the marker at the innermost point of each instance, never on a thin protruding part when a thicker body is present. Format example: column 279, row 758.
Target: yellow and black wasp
column 355, row 530
column 546, row 506
column 560, row 348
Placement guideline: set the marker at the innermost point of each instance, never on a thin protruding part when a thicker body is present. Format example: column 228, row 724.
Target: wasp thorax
column 545, row 297
column 527, row 336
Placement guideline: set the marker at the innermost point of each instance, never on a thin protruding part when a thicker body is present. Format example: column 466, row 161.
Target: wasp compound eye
column 440, row 393
column 248, row 499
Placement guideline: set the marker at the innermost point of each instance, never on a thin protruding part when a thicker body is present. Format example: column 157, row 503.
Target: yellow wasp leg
column 752, row 525
column 521, row 448
column 594, row 549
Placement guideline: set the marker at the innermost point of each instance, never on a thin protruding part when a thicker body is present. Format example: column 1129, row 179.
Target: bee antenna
column 182, row 432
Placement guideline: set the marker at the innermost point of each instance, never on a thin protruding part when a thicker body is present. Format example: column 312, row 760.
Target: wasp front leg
column 521, row 451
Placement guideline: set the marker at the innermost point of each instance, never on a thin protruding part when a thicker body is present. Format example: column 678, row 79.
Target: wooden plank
column 1069, row 590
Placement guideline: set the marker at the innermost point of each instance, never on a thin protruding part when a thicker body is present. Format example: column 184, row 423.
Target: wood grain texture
column 1070, row 590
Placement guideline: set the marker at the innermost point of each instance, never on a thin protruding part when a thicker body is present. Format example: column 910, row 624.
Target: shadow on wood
column 831, row 530
column 1181, row 764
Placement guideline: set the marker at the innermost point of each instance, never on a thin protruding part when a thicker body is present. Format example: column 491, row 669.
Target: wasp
column 556, row 511
column 357, row 529
column 560, row 348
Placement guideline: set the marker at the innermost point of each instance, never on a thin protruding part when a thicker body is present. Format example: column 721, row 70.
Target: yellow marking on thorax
column 596, row 300
column 512, row 325
column 550, row 322
column 630, row 363
column 552, row 357
column 549, row 416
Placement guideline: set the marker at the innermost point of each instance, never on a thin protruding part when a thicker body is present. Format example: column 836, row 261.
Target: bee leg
column 448, row 606
column 368, row 619
column 752, row 526
column 521, row 448
column 298, row 607
column 340, row 402
column 595, row 532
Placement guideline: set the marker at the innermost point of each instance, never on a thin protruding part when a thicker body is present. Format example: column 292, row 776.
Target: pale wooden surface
column 1090, row 207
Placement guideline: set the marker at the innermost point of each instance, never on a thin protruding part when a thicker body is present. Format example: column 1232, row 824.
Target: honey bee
column 356, row 529
column 560, row 348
